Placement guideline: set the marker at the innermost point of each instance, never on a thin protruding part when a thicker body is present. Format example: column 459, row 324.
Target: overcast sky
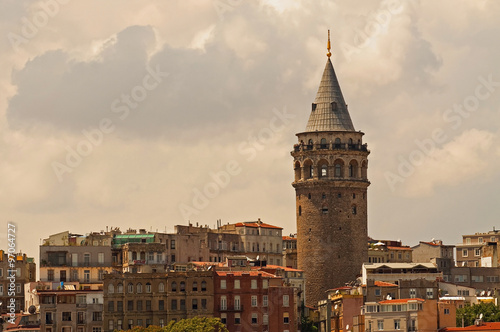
column 147, row 114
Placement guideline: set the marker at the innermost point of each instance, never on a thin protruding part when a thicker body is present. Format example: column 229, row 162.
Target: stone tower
column 330, row 163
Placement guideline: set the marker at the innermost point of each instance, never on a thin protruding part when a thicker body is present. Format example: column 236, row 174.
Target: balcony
column 339, row 146
column 230, row 308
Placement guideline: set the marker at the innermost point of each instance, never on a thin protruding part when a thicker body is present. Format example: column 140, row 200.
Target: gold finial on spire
column 329, row 54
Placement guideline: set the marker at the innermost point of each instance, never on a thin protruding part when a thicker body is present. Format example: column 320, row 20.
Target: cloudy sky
column 147, row 114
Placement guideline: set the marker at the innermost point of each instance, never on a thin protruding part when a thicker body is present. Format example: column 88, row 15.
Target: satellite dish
column 32, row 309
column 481, row 316
column 482, row 293
column 388, row 297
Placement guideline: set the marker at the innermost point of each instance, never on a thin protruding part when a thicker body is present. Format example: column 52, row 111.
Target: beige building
column 383, row 251
column 259, row 240
column 401, row 315
column 290, row 251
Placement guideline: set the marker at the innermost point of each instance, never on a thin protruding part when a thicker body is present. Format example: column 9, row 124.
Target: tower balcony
column 332, row 146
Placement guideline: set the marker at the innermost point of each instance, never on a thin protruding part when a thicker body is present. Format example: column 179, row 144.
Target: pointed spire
column 329, row 110
column 328, row 47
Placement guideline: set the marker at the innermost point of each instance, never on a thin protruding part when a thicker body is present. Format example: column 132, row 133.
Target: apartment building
column 290, row 251
column 71, row 310
column 254, row 301
column 437, row 253
column 23, row 271
column 387, row 251
column 341, row 309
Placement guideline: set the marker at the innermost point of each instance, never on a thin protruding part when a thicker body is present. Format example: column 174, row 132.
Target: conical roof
column 329, row 111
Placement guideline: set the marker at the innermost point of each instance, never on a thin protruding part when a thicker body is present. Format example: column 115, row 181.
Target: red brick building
column 254, row 301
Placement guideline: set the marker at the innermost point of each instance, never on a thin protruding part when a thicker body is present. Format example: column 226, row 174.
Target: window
column 380, row 324
column 493, row 239
column 139, row 288
column 397, row 324
column 48, row 318
column 223, row 318
column 477, row 252
column 355, row 211
column 130, row 324
column 465, row 252
column 237, row 302
column 96, row 329
column 204, row 286
column 264, row 300
column 378, row 292
column 172, row 258
column 119, row 324
column 430, row 293
column 195, row 286
column 492, row 278
column 254, row 318
column 148, row 288
column 265, row 284
column 86, row 276
column 468, row 240
column 324, row 171
column 237, row 318
column 1, row 290
column 97, row 316
column 446, row 311
column 130, row 305
column 173, row 305
column 174, row 286
column 148, row 305
column 204, row 303
column 480, row 240
column 477, row 278
column 50, row 275
column 111, row 306
column 110, row 325
column 324, row 210
column 237, row 284
column 66, row 316
column 286, row 301
column 254, row 284
column 338, row 170
column 223, row 284
column 151, row 256
column 461, row 278
column 286, row 318
column 119, row 305
column 223, row 303
column 172, row 244
column 130, row 288
column 161, row 305
column 182, row 287
column 194, row 304
column 265, row 319
column 254, row 300
column 161, row 287
column 100, row 257
column 139, row 305
column 413, row 293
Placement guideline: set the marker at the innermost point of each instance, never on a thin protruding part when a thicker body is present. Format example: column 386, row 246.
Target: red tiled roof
column 289, row 238
column 400, row 248
column 250, row 273
column 256, row 225
column 275, row 267
column 401, row 301
column 430, row 243
column 484, row 327
column 384, row 284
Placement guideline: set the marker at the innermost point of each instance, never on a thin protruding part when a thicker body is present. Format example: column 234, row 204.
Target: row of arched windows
column 340, row 170
column 336, row 144
column 138, row 288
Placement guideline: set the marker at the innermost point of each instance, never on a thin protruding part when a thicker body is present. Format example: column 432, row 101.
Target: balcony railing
column 230, row 308
column 339, row 146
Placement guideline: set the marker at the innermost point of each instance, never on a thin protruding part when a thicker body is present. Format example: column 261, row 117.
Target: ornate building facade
column 330, row 164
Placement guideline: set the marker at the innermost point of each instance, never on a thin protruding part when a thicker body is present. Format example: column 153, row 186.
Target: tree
column 468, row 314
column 196, row 324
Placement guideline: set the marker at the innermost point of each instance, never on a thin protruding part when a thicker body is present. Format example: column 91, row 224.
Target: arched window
column 351, row 171
column 324, row 209
column 337, row 143
column 148, row 288
column 183, row 286
column 161, row 287
column 139, row 288
column 323, row 144
column 134, row 255
column 174, row 286
column 338, row 170
column 143, row 256
column 195, row 286
column 308, row 169
column 111, row 289
column 354, row 210
column 119, row 288
column 324, row 171
column 130, row 288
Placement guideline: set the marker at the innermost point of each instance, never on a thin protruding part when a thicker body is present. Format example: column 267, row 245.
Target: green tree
column 468, row 314
column 196, row 324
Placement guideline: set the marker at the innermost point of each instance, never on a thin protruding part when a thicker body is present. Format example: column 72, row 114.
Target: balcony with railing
column 333, row 146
